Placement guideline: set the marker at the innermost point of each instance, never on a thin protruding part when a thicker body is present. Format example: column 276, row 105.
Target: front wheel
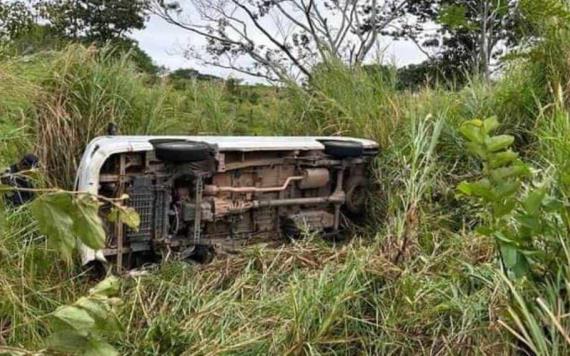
column 203, row 254
column 343, row 149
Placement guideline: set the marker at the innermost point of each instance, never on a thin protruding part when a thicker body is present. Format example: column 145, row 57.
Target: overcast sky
column 164, row 43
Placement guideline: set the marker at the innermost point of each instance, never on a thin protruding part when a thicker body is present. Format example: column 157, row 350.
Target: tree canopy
column 464, row 36
column 281, row 39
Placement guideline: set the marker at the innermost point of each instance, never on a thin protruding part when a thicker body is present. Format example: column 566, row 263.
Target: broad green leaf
column 481, row 189
column 490, row 124
column 87, row 224
column 500, row 189
column 499, row 235
column 503, row 207
column 533, row 253
column 509, row 254
column 52, row 214
column 499, row 143
column 514, row 260
column 80, row 327
column 97, row 309
column 76, row 318
column 64, row 245
column 101, row 311
column 472, row 130
column 67, row 341
column 501, row 159
column 484, row 230
column 126, row 215
column 517, row 170
column 96, row 347
column 533, row 201
column 507, row 188
column 530, row 222
column 475, row 122
column 465, row 188
column 522, row 267
column 477, row 149
column 552, row 204
column 108, row 287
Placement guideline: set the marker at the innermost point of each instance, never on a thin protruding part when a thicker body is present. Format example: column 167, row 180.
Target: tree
column 281, row 39
column 192, row 74
column 15, row 19
column 470, row 34
column 426, row 74
column 94, row 20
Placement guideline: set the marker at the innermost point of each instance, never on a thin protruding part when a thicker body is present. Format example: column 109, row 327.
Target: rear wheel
column 355, row 190
column 182, row 151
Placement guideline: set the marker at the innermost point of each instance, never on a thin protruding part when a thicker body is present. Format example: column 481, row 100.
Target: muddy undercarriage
column 222, row 200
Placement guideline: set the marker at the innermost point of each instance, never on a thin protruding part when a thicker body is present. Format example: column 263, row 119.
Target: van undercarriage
column 194, row 198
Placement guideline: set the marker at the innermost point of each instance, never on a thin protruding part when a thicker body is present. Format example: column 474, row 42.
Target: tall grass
column 70, row 97
column 32, row 282
column 86, row 90
column 354, row 102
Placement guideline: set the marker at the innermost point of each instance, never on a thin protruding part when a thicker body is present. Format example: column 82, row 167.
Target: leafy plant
column 515, row 218
column 81, row 327
column 65, row 217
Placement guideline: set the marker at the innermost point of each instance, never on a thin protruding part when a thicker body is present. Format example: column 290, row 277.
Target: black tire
column 182, row 151
column 355, row 189
column 343, row 149
column 290, row 230
column 95, row 270
column 203, row 254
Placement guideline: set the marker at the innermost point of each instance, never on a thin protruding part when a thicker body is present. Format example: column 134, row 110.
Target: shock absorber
column 199, row 188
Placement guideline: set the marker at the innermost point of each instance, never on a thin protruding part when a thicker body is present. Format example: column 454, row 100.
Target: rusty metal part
column 314, row 220
column 221, row 159
column 224, row 207
column 332, row 199
column 338, row 190
column 248, row 196
column 314, row 178
column 187, row 211
column 119, row 231
column 253, row 163
column 213, row 189
column 198, row 212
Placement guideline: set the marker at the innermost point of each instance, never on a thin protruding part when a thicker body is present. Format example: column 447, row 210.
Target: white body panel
column 101, row 148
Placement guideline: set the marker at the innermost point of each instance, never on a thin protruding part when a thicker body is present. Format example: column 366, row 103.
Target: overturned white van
column 198, row 193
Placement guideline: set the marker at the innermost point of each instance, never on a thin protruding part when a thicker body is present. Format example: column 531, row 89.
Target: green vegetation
column 465, row 249
column 81, row 326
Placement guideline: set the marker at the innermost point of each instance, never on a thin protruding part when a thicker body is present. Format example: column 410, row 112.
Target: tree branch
column 281, row 46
